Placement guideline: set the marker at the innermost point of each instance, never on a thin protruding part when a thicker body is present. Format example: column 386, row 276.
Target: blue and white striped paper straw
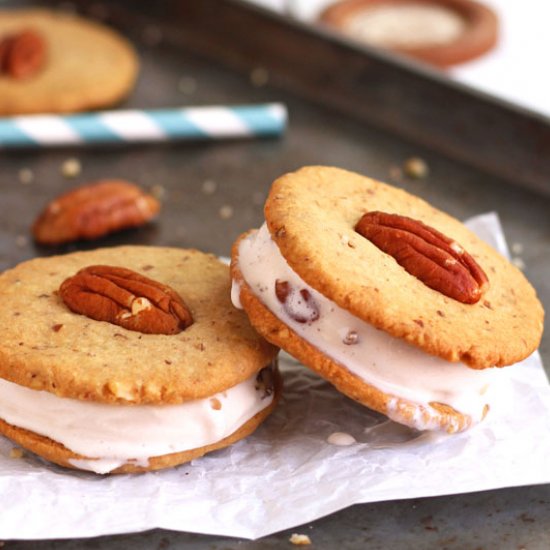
column 132, row 126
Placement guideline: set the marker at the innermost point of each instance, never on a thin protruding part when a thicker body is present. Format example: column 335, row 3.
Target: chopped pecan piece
column 298, row 304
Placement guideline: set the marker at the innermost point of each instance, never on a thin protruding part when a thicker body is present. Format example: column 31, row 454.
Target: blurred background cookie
column 439, row 32
column 53, row 62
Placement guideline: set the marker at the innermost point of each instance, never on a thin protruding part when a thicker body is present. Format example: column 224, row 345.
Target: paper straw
column 132, row 126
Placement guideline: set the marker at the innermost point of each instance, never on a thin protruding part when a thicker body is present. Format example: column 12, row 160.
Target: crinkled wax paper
column 286, row 473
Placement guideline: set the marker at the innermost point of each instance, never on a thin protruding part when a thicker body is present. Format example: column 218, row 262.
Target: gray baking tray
column 349, row 107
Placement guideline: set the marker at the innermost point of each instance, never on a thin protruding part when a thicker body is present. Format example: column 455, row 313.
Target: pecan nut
column 94, row 210
column 298, row 304
column 433, row 258
column 23, row 54
column 123, row 297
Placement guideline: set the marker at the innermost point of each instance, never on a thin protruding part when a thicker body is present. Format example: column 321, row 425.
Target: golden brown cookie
column 311, row 216
column 388, row 298
column 87, row 65
column 62, row 369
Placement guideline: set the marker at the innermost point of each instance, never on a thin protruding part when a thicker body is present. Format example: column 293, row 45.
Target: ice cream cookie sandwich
column 394, row 302
column 129, row 359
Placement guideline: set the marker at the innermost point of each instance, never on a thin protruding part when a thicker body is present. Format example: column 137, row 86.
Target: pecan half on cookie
column 435, row 259
column 123, row 297
column 94, row 210
column 23, row 54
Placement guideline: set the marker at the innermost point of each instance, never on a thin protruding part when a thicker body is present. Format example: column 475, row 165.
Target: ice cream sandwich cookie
column 53, row 62
column 396, row 303
column 129, row 359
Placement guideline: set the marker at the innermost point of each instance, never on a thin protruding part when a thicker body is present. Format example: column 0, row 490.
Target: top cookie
column 311, row 215
column 45, row 346
column 87, row 65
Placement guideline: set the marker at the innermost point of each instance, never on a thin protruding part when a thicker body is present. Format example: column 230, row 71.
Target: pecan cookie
column 396, row 303
column 56, row 63
column 129, row 359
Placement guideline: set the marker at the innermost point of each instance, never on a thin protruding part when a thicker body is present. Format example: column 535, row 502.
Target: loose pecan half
column 125, row 298
column 435, row 259
column 298, row 304
column 23, row 54
column 94, row 210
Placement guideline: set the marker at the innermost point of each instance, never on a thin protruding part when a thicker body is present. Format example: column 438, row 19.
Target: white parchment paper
column 286, row 473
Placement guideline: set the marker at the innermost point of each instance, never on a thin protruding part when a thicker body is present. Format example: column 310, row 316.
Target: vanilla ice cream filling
column 112, row 435
column 389, row 364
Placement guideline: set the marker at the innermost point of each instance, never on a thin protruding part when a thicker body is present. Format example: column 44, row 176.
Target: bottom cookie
column 54, row 451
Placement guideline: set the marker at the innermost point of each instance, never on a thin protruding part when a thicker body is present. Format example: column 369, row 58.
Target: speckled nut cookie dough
column 129, row 359
column 54, row 62
column 397, row 304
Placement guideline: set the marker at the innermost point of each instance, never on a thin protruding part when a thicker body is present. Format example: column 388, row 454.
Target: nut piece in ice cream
column 94, row 210
column 298, row 304
column 438, row 261
column 123, row 297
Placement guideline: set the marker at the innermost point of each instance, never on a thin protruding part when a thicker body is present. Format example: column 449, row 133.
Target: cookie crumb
column 517, row 248
column 259, row 77
column 416, row 168
column 300, row 540
column 158, row 191
column 71, row 168
column 226, row 212
column 341, row 439
column 518, row 262
column 21, row 241
column 26, row 176
column 187, row 85
column 17, row 452
column 209, row 187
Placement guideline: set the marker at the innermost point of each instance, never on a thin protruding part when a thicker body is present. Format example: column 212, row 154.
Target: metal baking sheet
column 181, row 45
